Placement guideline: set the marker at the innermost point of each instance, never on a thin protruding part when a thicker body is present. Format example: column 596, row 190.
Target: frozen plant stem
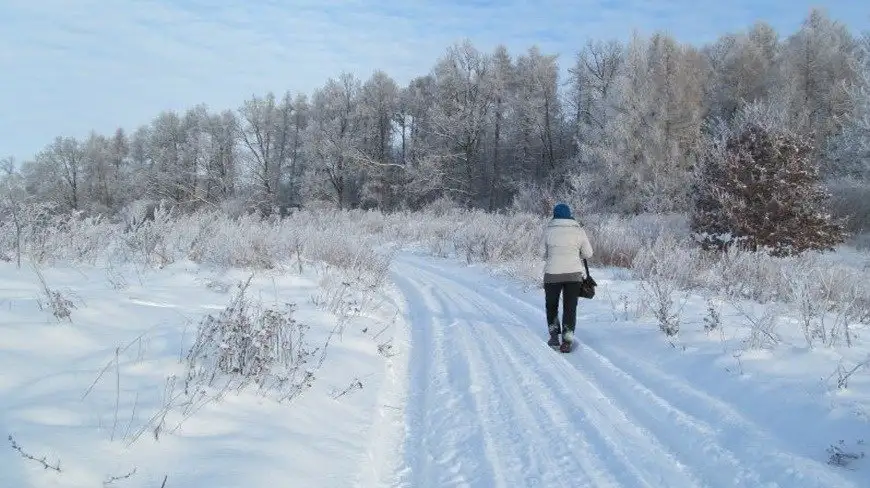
column 112, row 479
column 117, row 392
column 42, row 461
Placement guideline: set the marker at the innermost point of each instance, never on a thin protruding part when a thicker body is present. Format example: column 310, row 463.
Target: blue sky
column 71, row 66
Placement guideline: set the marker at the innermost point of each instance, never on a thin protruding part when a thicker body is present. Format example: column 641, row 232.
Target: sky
column 69, row 67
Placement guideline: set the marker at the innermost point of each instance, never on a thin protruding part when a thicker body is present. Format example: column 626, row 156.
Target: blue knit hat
column 562, row 211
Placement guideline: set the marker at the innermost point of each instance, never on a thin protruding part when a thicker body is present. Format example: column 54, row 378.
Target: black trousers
column 570, row 292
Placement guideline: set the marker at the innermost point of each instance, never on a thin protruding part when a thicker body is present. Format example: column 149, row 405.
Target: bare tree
column 334, row 141
column 65, row 159
column 267, row 134
column 12, row 196
column 460, row 112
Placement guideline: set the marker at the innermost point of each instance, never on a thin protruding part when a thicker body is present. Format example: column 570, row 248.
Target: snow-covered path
column 491, row 405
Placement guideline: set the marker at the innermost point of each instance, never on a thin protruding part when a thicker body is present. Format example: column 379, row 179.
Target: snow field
column 65, row 394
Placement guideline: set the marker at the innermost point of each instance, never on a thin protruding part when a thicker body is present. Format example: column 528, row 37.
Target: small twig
column 117, row 393
column 163, row 485
column 132, row 416
column 381, row 331
column 25, row 455
column 97, row 379
column 355, row 384
column 114, row 360
column 844, row 375
column 113, row 479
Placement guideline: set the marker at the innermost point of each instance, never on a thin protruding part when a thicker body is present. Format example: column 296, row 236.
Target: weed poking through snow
column 247, row 344
column 59, row 305
column 42, row 461
column 713, row 319
column 841, row 456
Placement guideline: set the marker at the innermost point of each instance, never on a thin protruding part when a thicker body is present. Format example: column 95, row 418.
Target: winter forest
column 624, row 132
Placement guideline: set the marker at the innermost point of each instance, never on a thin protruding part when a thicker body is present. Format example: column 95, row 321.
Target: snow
column 244, row 440
column 467, row 394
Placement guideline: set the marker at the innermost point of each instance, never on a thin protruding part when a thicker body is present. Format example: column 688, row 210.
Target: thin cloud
column 72, row 67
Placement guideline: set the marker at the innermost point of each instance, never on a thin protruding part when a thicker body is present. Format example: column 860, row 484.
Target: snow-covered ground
column 65, row 395
column 458, row 388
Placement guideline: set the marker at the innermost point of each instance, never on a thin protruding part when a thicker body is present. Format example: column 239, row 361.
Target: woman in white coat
column 565, row 246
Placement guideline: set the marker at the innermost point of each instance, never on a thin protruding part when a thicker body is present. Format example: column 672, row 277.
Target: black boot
column 554, row 335
column 554, row 340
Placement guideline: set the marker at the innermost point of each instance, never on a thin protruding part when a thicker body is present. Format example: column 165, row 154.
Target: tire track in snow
column 686, row 435
column 674, row 408
column 631, row 447
column 490, row 388
column 441, row 426
column 636, row 450
column 541, row 406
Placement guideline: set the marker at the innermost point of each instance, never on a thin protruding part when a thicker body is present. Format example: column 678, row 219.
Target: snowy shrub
column 807, row 296
column 665, row 258
column 739, row 274
column 830, row 300
column 761, row 187
column 248, row 344
column 762, row 326
column 356, row 245
column 660, row 295
column 614, row 243
column 60, row 306
column 617, row 239
column 149, row 240
column 842, row 456
column 661, row 268
column 713, row 319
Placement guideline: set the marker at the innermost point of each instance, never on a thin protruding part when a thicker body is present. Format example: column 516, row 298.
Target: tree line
column 624, row 132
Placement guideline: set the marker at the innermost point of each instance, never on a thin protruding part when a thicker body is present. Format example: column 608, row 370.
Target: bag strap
column 586, row 265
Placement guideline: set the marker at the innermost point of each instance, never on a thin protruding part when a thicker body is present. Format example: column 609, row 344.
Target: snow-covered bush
column 250, row 344
column 761, row 186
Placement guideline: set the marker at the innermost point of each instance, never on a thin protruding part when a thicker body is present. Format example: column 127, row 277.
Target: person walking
column 565, row 247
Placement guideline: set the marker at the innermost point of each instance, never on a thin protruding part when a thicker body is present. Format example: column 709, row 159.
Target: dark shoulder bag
column 587, row 286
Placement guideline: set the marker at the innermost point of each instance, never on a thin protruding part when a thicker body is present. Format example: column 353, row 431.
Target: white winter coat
column 565, row 245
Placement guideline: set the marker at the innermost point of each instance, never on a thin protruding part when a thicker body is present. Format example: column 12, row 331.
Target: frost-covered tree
column 222, row 156
column 99, row 175
column 538, row 113
column 504, row 87
column 459, row 116
column 743, row 69
column 759, row 186
column 486, row 129
column 13, row 199
column 57, row 172
column 333, row 142
column 165, row 173
column 816, row 70
column 377, row 111
column 267, row 134
column 640, row 113
column 595, row 87
column 849, row 151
